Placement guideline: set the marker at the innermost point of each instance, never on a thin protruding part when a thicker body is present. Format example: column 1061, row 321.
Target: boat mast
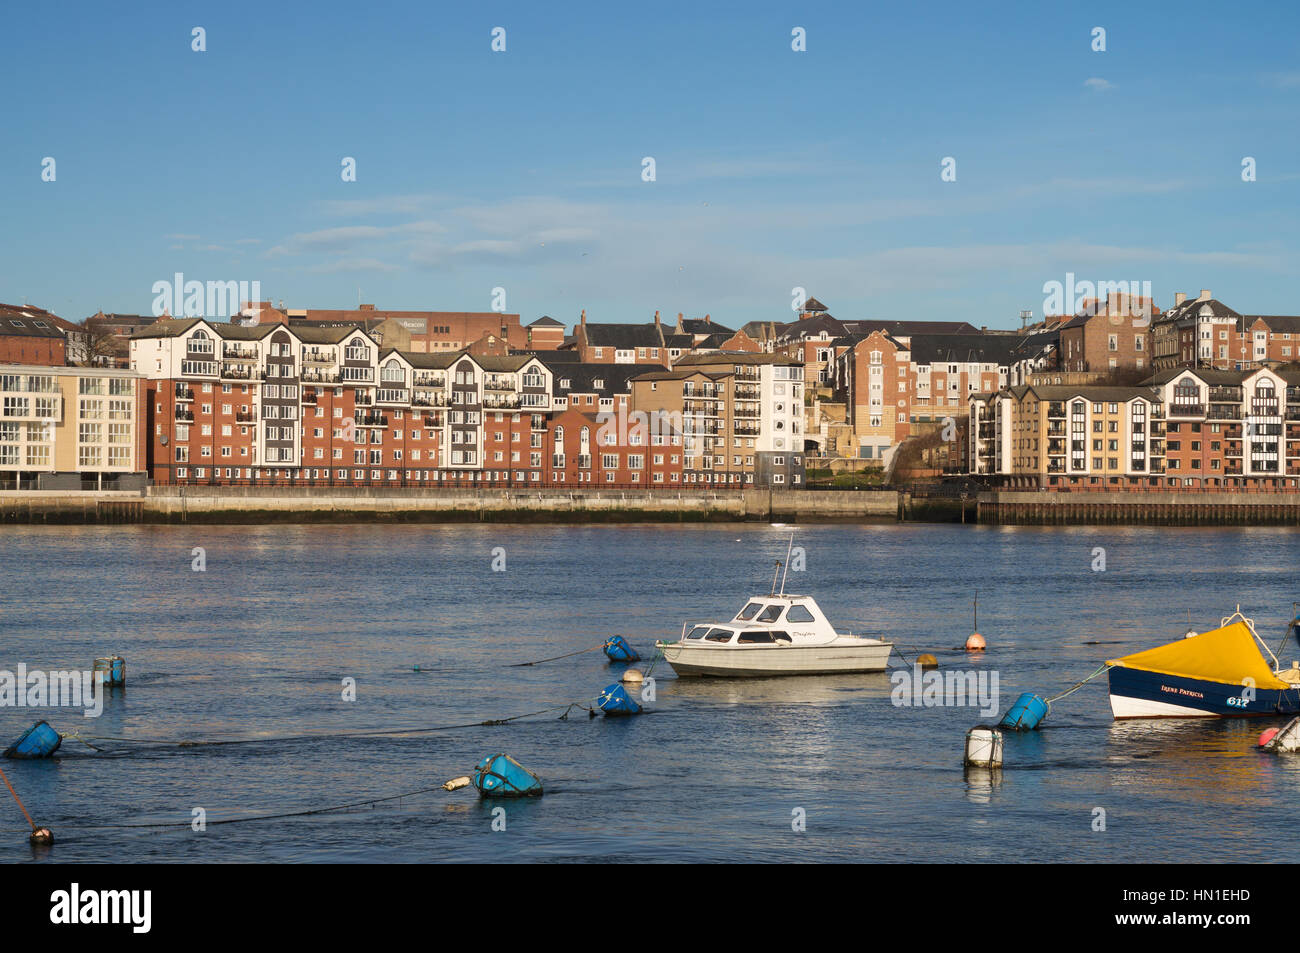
column 788, row 549
column 775, row 573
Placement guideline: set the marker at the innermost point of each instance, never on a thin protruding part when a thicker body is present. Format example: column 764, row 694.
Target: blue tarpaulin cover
column 619, row 651
column 615, row 700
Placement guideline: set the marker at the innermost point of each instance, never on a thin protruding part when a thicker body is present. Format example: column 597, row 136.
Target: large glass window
column 798, row 614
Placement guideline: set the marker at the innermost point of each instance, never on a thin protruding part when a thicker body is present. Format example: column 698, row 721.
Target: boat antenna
column 977, row 611
column 774, row 575
column 788, row 549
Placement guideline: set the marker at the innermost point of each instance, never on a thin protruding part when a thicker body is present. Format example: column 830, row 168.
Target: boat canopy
column 1228, row 654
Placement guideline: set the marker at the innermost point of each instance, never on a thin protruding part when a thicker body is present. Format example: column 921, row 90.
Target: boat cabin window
column 798, row 614
column 719, row 635
column 770, row 614
column 698, row 632
column 781, row 637
column 747, row 613
column 754, row 637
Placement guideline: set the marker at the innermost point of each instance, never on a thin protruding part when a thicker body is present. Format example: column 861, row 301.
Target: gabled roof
column 545, row 321
column 909, row 328
column 582, row 378
column 700, row 326
column 166, row 328
column 623, row 336
column 963, row 348
column 1209, row 375
column 812, row 304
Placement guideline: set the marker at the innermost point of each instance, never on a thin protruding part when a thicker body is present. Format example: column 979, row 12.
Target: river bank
column 266, row 505
column 255, row 505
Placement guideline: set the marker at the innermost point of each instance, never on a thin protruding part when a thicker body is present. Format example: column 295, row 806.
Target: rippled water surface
column 260, row 643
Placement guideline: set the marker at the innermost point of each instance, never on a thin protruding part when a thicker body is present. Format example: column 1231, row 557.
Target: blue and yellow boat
column 1228, row 672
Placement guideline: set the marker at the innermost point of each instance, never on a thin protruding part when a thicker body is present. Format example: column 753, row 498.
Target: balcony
column 1186, row 410
column 425, row 379
column 498, row 382
column 1223, row 412
column 744, row 391
column 184, row 415
column 319, row 355
column 393, row 395
column 184, row 393
column 502, row 400
column 426, row 399
column 239, row 372
column 1264, row 408
column 745, row 429
column 1225, row 395
column 319, row 377
column 238, row 352
column 245, row 417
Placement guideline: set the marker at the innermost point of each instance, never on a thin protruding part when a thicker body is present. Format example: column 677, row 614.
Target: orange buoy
column 1267, row 736
column 926, row 660
column 975, row 643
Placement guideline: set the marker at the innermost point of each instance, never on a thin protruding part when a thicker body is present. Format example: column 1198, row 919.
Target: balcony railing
column 1186, row 410
column 320, row 377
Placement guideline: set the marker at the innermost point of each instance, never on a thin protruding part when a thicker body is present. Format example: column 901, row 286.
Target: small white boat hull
column 758, row 661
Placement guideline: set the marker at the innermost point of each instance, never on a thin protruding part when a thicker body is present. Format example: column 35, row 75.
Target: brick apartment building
column 741, row 416
column 1182, row 429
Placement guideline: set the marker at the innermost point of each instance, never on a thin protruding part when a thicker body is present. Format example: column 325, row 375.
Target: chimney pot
column 1179, row 297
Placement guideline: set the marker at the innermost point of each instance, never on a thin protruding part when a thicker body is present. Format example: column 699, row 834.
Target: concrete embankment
column 1044, row 508
column 169, row 504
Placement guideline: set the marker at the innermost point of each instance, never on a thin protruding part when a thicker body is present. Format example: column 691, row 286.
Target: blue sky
column 775, row 169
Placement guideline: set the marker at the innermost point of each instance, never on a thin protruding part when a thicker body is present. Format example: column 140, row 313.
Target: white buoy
column 984, row 747
column 456, row 783
column 633, row 676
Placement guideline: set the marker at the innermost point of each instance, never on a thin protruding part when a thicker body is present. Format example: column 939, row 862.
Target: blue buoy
column 618, row 650
column 38, row 741
column 615, row 700
column 500, row 775
column 1025, row 714
column 114, row 669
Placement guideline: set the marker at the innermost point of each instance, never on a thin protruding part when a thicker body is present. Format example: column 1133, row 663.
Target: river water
column 260, row 643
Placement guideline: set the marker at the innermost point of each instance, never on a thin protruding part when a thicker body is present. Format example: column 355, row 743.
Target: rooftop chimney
column 1179, row 297
column 584, row 317
column 706, row 319
column 1205, row 295
column 657, row 324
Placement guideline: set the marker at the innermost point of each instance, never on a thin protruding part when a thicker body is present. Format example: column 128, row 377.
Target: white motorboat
column 774, row 635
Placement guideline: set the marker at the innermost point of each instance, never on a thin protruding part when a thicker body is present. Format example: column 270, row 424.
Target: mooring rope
column 265, row 817
column 556, row 658
column 390, row 732
column 1077, row 686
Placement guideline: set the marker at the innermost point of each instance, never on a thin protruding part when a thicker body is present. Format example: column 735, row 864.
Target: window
column 770, row 614
column 798, row 614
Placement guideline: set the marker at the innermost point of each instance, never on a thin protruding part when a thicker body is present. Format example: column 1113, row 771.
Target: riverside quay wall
column 173, row 504
column 1155, row 508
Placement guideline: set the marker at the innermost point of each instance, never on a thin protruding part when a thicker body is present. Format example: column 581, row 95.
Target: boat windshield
column 771, row 613
column 698, row 632
column 748, row 612
column 719, row 635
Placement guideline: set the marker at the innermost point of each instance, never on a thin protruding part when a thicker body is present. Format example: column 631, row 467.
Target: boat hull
column 1135, row 693
column 770, row 660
